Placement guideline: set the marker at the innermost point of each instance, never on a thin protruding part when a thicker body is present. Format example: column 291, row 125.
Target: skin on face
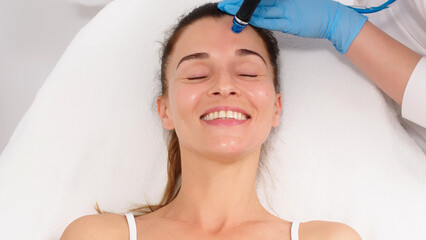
column 219, row 76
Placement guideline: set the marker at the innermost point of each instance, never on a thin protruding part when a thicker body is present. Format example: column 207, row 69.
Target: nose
column 224, row 84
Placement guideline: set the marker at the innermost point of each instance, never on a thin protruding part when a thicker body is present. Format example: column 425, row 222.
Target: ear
column 164, row 113
column 277, row 110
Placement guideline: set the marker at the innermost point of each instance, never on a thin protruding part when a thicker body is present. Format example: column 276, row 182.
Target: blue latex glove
column 305, row 18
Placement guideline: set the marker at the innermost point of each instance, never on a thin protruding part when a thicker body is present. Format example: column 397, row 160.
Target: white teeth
column 225, row 115
column 229, row 114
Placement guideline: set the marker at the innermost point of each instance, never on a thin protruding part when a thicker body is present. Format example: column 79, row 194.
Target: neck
column 216, row 195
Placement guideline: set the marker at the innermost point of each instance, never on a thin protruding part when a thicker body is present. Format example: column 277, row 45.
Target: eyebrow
column 204, row 55
column 245, row 52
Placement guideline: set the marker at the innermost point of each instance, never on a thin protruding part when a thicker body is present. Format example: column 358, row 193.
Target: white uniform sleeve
column 414, row 100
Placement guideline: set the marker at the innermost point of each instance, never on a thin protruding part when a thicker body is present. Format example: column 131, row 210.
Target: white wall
column 33, row 36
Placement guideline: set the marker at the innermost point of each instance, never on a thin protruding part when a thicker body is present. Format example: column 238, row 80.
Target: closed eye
column 242, row 75
column 195, row 78
column 248, row 75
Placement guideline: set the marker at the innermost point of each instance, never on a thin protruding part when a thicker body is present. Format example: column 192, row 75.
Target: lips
column 225, row 108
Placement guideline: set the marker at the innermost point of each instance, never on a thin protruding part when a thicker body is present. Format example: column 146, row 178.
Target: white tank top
column 133, row 236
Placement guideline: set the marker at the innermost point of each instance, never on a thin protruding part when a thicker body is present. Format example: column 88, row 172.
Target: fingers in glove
column 269, row 12
column 271, row 24
column 268, row 3
column 223, row 3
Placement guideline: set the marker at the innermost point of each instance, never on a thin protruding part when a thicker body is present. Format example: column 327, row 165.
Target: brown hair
column 174, row 161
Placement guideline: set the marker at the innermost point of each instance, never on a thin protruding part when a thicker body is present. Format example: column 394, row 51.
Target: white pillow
column 91, row 135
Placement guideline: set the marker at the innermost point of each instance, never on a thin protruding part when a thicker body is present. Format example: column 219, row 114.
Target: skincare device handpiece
column 243, row 16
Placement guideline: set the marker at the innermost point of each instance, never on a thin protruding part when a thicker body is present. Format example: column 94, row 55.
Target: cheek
column 262, row 95
column 185, row 99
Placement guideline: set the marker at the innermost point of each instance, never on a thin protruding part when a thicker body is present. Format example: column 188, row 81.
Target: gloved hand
column 306, row 18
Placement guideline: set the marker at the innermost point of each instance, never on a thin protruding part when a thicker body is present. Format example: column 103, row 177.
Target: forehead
column 214, row 35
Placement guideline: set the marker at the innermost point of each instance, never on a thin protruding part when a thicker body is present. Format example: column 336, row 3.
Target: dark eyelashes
column 194, row 78
column 242, row 75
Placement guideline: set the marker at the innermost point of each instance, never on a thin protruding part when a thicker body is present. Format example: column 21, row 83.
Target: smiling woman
column 220, row 99
column 222, row 74
column 194, row 59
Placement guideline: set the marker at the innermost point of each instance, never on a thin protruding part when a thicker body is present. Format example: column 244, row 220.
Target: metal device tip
column 237, row 27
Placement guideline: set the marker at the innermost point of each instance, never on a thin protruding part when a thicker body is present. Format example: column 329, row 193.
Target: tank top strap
column 295, row 231
column 132, row 226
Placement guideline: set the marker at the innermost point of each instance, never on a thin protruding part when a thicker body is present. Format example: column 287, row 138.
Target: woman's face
column 210, row 67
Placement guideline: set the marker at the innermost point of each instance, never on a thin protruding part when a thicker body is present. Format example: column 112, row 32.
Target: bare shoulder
column 327, row 230
column 107, row 226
